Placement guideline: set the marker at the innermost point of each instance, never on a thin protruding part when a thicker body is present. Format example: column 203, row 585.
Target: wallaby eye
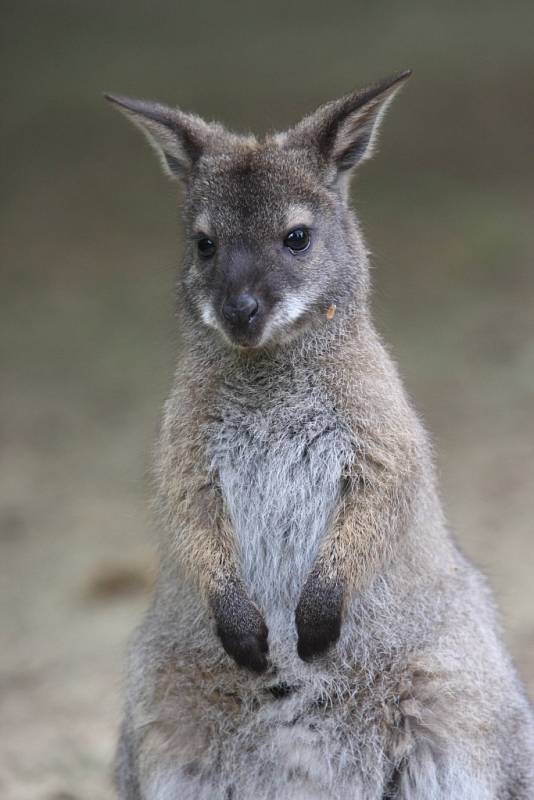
column 297, row 240
column 206, row 247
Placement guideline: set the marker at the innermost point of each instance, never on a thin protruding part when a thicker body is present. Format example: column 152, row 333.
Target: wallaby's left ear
column 344, row 132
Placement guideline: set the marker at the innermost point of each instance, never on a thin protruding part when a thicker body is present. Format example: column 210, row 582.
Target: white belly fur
column 280, row 483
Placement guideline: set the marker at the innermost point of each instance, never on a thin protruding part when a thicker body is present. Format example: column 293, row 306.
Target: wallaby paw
column 248, row 650
column 241, row 628
column 318, row 617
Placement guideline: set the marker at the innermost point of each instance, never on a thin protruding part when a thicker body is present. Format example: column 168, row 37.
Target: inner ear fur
column 344, row 132
column 178, row 138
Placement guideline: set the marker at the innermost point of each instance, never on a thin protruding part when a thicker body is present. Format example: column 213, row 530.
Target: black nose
column 241, row 309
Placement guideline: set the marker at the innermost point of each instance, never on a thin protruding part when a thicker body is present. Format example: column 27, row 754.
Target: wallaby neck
column 321, row 343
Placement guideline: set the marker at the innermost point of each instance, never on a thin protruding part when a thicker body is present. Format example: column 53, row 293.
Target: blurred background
column 90, row 247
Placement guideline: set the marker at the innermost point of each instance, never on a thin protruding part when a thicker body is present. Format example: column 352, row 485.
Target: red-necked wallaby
column 314, row 632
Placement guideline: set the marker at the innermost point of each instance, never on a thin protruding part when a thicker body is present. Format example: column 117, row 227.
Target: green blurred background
column 89, row 252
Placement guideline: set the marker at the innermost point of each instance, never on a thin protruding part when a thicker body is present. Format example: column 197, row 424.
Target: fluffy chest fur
column 279, row 454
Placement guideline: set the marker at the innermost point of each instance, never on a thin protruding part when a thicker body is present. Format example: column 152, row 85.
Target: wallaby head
column 272, row 247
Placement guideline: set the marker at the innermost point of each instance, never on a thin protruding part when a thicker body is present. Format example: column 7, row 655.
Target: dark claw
column 241, row 627
column 318, row 617
column 247, row 649
column 316, row 639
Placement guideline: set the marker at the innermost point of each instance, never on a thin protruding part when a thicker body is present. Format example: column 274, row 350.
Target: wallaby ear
column 178, row 138
column 344, row 132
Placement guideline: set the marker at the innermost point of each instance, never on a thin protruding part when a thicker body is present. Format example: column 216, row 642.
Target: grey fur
column 296, row 493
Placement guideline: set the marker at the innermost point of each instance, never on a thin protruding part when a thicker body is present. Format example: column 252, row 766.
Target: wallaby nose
column 241, row 309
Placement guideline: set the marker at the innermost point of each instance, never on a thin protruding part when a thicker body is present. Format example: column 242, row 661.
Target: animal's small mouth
column 244, row 340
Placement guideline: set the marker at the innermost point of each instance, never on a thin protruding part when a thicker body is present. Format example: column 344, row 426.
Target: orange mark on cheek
column 330, row 312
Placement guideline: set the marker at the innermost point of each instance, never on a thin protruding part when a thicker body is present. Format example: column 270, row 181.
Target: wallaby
column 314, row 631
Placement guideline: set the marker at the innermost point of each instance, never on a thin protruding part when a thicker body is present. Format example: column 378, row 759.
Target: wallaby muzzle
column 240, row 310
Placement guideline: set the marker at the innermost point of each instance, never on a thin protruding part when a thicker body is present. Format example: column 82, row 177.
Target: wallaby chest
column 278, row 450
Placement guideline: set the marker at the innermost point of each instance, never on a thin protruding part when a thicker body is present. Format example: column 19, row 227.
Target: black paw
column 247, row 649
column 318, row 617
column 241, row 628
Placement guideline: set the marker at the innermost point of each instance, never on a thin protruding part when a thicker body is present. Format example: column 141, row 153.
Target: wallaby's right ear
column 178, row 138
